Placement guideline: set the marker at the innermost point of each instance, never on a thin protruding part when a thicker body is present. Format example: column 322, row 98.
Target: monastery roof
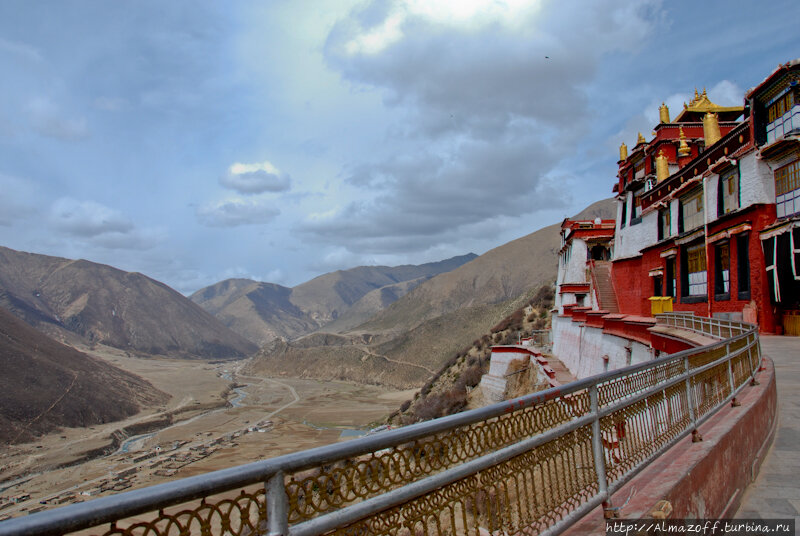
column 701, row 105
column 773, row 76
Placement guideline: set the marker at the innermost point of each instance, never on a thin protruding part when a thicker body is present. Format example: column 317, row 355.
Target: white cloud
column 99, row 226
column 255, row 178
column 18, row 200
column 47, row 119
column 236, row 211
column 87, row 218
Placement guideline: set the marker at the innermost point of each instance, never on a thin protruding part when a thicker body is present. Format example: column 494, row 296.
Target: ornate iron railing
column 532, row 465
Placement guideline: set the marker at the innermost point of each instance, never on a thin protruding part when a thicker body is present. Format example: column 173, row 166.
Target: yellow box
column 660, row 304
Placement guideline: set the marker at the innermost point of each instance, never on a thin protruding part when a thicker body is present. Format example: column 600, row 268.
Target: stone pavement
column 775, row 494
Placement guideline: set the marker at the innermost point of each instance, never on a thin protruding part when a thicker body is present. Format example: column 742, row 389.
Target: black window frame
column 719, row 281
column 743, row 266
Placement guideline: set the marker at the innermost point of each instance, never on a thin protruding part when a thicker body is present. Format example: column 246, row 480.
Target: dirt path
column 406, row 363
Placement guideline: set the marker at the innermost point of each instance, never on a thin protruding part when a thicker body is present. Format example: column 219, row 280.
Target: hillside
column 46, row 385
column 334, row 302
column 404, row 344
column 103, row 304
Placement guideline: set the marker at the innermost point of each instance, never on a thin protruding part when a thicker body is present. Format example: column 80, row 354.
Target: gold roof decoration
column 683, row 149
column 640, row 139
column 623, row 151
column 701, row 105
column 663, row 113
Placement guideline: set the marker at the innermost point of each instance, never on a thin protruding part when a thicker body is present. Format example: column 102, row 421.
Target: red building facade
column 709, row 209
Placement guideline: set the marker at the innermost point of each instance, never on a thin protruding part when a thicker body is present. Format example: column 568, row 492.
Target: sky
column 195, row 141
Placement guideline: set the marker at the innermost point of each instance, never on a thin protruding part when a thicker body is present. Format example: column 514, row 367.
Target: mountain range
column 335, row 301
column 102, row 304
column 405, row 343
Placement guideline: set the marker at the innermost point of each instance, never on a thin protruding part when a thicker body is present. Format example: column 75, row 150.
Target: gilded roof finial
column 662, row 166
column 640, row 139
column 663, row 113
column 711, row 131
column 696, row 94
column 623, row 151
column 684, row 149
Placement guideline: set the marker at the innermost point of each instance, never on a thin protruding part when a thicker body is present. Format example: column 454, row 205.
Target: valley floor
column 270, row 417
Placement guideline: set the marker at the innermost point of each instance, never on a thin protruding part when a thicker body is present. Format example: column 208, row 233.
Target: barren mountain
column 46, row 385
column 415, row 335
column 103, row 304
column 334, row 301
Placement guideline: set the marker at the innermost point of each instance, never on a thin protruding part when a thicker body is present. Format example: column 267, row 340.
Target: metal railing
column 532, row 465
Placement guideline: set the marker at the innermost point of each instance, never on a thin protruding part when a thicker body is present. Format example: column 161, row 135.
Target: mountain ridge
column 103, row 304
column 334, row 301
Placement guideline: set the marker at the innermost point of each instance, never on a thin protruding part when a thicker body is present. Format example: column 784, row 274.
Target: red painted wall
column 634, row 286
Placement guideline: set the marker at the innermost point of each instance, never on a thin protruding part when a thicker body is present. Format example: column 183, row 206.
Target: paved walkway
column 775, row 494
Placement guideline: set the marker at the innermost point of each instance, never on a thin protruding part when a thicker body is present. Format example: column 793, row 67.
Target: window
column 695, row 282
column 743, row 265
column 664, row 222
column 692, row 210
column 787, row 189
column 624, row 215
column 728, row 191
column 657, row 285
column 670, row 275
column 636, row 209
column 780, row 106
column 722, row 271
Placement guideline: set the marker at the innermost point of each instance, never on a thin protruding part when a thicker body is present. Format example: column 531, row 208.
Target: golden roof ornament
column 684, row 149
column 623, row 151
column 711, row 131
column 640, row 139
column 662, row 166
column 663, row 113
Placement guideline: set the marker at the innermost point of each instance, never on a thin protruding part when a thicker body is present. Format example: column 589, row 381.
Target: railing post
column 277, row 506
column 690, row 401
column 735, row 403
column 599, row 453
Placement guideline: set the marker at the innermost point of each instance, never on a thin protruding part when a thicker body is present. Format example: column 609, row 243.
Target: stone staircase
column 603, row 286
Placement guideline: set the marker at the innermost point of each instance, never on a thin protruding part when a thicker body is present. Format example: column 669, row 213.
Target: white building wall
column 582, row 349
column 757, row 181
column 576, row 267
column 632, row 238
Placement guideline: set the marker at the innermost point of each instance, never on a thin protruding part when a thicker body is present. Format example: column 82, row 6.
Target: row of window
column 691, row 215
column 694, row 272
column 780, row 106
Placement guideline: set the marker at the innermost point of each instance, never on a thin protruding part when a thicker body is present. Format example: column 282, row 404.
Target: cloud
column 235, row 212
column 111, row 104
column 48, row 120
column 472, row 69
column 423, row 200
column 20, row 50
column 100, row 226
column 87, row 218
column 493, row 96
column 255, row 178
column 18, row 201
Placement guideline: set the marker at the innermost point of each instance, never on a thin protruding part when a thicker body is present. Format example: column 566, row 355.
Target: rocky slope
column 103, row 304
column 46, row 385
column 334, row 302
